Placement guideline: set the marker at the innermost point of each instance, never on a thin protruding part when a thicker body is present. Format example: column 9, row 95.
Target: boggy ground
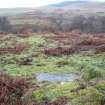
column 58, row 53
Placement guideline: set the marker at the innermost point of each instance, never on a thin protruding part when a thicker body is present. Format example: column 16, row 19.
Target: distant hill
column 78, row 4
column 13, row 11
column 83, row 6
column 54, row 16
column 67, row 3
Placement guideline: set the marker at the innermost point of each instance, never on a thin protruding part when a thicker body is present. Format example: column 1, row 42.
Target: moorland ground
column 26, row 56
column 56, row 39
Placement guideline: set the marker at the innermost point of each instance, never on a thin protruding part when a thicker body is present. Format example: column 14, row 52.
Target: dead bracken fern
column 11, row 90
column 74, row 42
column 14, row 50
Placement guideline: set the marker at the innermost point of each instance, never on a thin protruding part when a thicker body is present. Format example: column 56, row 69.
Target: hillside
column 67, row 5
column 55, row 17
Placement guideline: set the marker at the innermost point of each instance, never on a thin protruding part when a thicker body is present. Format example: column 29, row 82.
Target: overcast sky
column 29, row 3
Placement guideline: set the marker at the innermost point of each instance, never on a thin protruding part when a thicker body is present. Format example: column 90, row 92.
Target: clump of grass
column 62, row 63
column 91, row 73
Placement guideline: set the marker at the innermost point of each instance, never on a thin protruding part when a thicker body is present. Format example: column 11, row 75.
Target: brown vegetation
column 74, row 42
column 59, row 51
column 11, row 88
column 100, row 49
column 17, row 49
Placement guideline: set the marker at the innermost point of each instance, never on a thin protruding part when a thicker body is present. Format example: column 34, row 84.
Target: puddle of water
column 56, row 77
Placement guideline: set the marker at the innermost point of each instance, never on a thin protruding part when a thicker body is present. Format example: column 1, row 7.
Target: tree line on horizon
column 87, row 24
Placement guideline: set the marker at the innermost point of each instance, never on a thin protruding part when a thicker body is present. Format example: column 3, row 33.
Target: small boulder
column 25, row 61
